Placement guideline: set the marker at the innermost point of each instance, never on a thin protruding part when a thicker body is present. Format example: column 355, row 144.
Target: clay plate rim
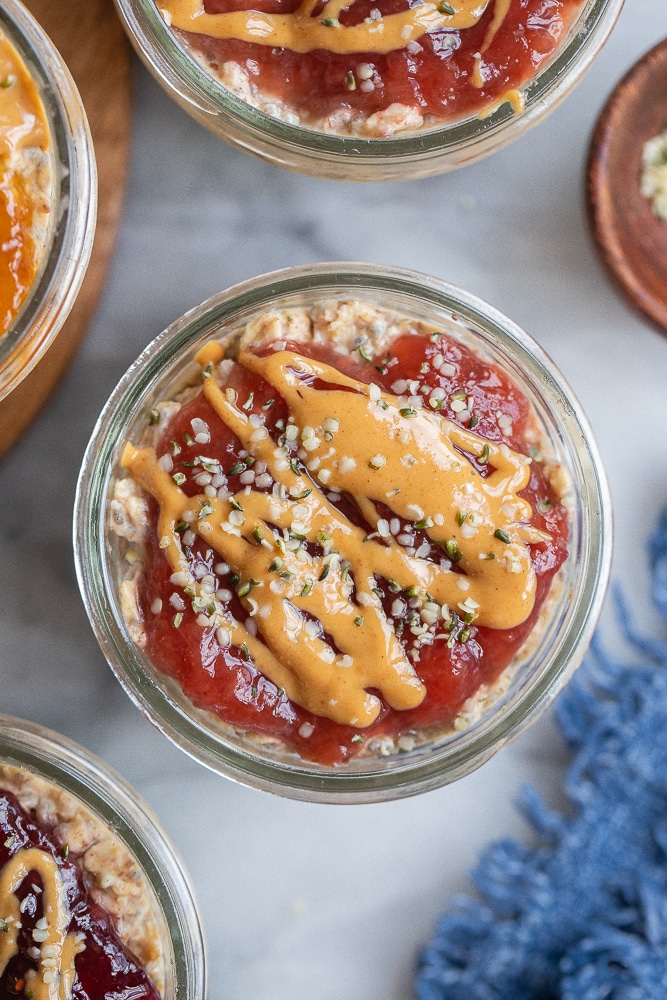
column 630, row 239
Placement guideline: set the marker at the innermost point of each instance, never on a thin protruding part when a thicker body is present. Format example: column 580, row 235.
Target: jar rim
column 69, row 766
column 592, row 533
column 412, row 154
column 67, row 253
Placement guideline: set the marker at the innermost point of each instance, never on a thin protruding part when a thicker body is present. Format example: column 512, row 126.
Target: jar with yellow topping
column 342, row 532
column 93, row 899
column 369, row 90
column 48, row 191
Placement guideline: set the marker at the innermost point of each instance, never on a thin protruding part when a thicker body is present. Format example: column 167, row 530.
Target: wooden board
column 90, row 38
column 630, row 238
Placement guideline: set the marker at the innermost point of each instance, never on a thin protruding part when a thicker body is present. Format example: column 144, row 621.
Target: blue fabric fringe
column 583, row 915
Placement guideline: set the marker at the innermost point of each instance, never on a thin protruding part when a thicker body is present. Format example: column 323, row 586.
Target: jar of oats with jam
column 370, row 90
column 342, row 532
column 94, row 901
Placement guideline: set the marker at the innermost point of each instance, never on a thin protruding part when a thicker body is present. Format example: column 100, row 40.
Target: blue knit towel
column 582, row 916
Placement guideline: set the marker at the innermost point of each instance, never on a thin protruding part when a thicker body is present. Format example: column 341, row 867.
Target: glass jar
column 554, row 650
column 73, row 199
column 69, row 768
column 420, row 153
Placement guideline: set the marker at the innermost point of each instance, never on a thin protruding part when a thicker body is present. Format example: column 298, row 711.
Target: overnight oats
column 343, row 535
column 80, row 915
column 372, row 89
column 368, row 68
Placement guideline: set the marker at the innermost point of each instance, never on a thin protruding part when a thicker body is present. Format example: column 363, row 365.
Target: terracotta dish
column 631, row 239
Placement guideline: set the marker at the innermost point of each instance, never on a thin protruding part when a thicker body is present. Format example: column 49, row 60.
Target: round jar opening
column 76, row 823
column 455, row 546
column 385, row 112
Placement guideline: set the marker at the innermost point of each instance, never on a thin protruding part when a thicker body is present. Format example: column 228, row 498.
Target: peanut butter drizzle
column 515, row 98
column 496, row 586
column 58, row 949
column 300, row 31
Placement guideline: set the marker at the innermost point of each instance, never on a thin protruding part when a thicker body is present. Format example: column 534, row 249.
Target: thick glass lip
column 74, row 202
column 67, row 765
column 565, row 639
column 338, row 157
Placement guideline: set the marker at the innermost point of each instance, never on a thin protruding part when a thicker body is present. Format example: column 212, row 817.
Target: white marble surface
column 309, row 901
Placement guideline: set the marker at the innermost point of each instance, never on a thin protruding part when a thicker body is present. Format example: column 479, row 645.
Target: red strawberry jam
column 62, row 933
column 447, row 72
column 446, row 649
